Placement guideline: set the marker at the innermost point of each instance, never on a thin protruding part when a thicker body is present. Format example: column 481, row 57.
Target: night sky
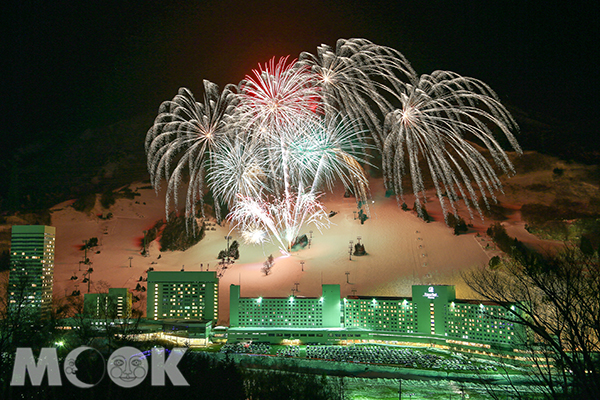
column 72, row 65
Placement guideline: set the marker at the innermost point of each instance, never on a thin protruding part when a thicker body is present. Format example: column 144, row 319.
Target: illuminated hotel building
column 286, row 312
column 117, row 303
column 182, row 295
column 431, row 315
column 31, row 274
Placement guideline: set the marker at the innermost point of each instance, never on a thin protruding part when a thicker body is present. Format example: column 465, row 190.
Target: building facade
column 32, row 269
column 116, row 304
column 183, row 295
column 287, row 312
column 431, row 315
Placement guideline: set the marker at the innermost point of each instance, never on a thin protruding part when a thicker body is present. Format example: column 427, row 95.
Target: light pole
column 350, row 251
column 302, row 263
column 400, row 390
column 347, row 277
column 144, row 244
column 227, row 238
column 130, row 258
column 358, row 239
column 85, row 247
column 90, row 270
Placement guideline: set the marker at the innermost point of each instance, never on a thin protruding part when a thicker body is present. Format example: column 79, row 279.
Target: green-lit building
column 432, row 315
column 116, row 304
column 287, row 312
column 32, row 269
column 183, row 295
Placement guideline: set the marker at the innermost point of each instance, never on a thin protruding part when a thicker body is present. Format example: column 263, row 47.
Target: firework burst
column 430, row 128
column 278, row 95
column 305, row 158
column 238, row 167
column 280, row 218
column 355, row 79
column 185, row 134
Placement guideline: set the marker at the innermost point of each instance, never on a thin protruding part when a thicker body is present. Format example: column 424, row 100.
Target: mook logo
column 126, row 367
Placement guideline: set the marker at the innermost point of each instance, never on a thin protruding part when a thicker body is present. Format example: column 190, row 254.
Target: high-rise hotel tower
column 31, row 269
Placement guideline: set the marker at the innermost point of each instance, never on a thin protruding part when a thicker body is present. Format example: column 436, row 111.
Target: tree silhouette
column 557, row 300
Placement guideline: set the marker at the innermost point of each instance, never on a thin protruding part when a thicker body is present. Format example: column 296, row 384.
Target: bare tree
column 557, row 300
column 21, row 325
column 267, row 265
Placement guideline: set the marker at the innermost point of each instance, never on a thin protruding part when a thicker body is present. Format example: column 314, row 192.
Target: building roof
column 478, row 302
column 182, row 276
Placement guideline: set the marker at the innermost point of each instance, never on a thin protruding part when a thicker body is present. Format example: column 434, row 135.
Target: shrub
column 494, row 262
column 107, row 199
column 180, row 234
column 4, row 260
column 492, row 209
column 558, row 171
column 85, row 203
column 457, row 223
column 511, row 246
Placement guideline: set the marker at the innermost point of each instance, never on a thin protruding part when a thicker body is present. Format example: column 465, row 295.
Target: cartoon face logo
column 127, row 367
column 70, row 367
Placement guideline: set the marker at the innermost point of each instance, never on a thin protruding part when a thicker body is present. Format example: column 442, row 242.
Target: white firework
column 238, row 167
column 279, row 218
column 308, row 156
column 430, row 128
column 319, row 152
column 277, row 95
column 355, row 78
column 184, row 137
